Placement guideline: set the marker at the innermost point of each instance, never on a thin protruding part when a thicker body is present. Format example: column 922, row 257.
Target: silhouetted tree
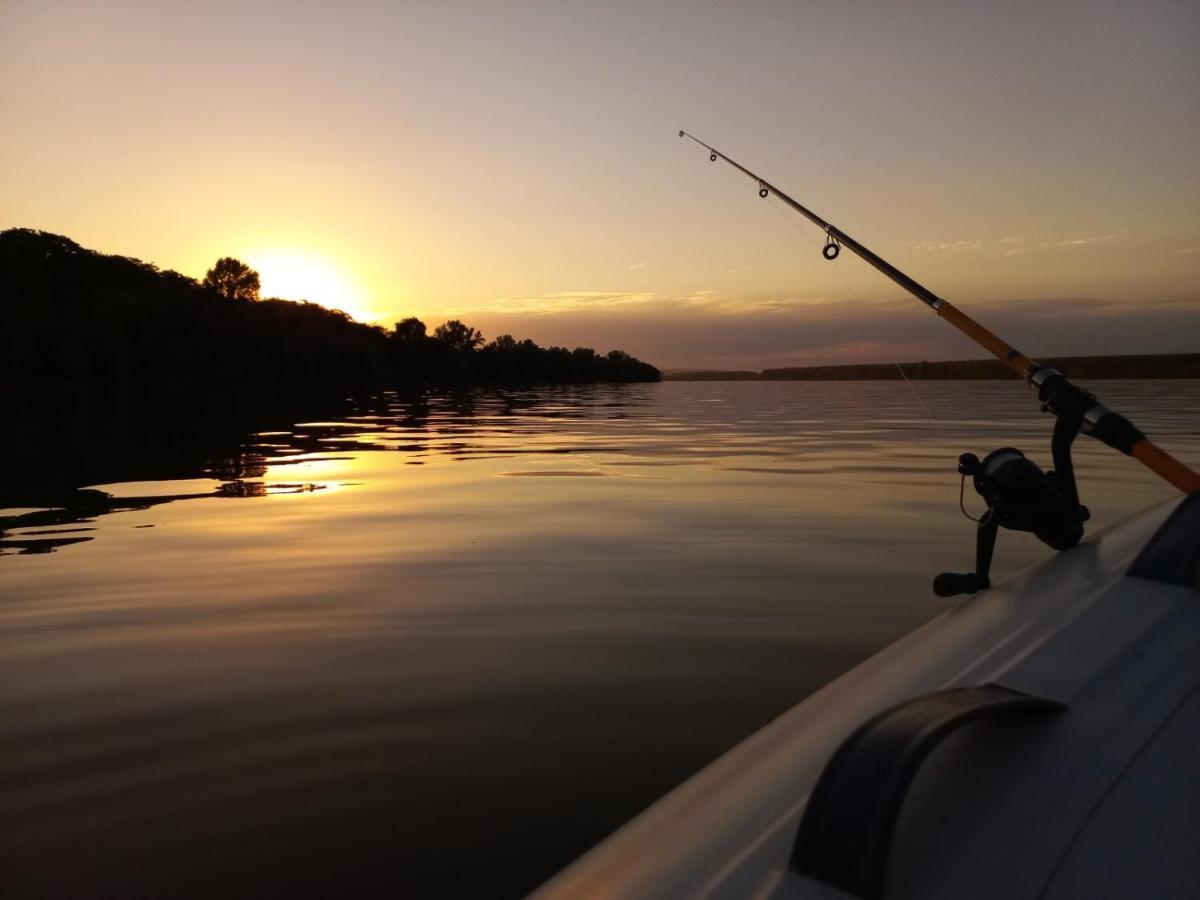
column 410, row 330
column 457, row 336
column 232, row 279
column 413, row 351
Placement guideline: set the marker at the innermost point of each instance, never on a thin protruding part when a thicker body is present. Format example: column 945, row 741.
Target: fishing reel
column 1021, row 497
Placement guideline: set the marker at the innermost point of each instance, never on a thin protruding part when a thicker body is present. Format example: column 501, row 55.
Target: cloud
column 1008, row 244
column 568, row 301
column 1046, row 245
column 1082, row 242
column 641, row 303
column 1185, row 250
column 934, row 247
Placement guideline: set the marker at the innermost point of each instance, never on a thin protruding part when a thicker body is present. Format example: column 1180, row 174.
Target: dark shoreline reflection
column 64, row 440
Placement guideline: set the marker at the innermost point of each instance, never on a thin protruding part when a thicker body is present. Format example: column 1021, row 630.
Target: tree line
column 68, row 313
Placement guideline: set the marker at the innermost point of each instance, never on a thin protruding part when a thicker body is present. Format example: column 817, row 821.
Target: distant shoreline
column 68, row 314
column 1145, row 365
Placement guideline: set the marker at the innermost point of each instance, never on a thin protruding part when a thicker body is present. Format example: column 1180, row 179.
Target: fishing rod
column 1019, row 495
column 1056, row 394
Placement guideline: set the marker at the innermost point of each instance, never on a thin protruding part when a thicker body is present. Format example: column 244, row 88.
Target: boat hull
column 1055, row 632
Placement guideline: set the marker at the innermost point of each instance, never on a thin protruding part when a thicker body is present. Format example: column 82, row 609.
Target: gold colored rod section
column 1003, row 351
column 1163, row 464
column 1057, row 394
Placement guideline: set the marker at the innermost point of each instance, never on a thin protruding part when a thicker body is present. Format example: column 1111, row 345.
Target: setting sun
column 294, row 275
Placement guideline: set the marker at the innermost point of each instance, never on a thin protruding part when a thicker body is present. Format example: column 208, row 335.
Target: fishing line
column 783, row 212
column 932, row 420
column 779, row 209
column 849, row 290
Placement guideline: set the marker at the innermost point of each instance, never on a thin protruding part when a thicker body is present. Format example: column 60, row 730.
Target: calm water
column 438, row 646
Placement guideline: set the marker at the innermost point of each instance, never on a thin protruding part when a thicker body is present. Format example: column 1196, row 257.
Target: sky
column 517, row 164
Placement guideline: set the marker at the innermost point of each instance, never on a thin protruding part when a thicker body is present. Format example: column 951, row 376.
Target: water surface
column 439, row 645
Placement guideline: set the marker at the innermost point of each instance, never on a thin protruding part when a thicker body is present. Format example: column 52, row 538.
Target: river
column 438, row 645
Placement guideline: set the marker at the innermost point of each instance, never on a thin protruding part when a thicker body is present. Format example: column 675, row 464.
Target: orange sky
column 517, row 164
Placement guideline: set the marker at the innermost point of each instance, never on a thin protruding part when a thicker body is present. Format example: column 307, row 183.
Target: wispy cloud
column 573, row 301
column 937, row 247
column 645, row 302
column 1083, row 242
column 633, row 267
column 1013, row 245
column 1185, row 250
column 1017, row 246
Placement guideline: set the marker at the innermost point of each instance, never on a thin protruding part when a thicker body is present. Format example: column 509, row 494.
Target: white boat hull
column 1118, row 653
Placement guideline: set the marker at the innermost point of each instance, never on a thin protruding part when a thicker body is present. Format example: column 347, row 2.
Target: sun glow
column 308, row 276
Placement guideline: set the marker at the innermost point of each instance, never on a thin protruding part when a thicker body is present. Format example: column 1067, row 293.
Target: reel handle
column 951, row 584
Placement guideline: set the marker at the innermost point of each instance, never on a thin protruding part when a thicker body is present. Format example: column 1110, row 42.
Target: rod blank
column 1056, row 393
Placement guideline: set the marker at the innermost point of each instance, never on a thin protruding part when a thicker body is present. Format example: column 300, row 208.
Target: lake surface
column 440, row 645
